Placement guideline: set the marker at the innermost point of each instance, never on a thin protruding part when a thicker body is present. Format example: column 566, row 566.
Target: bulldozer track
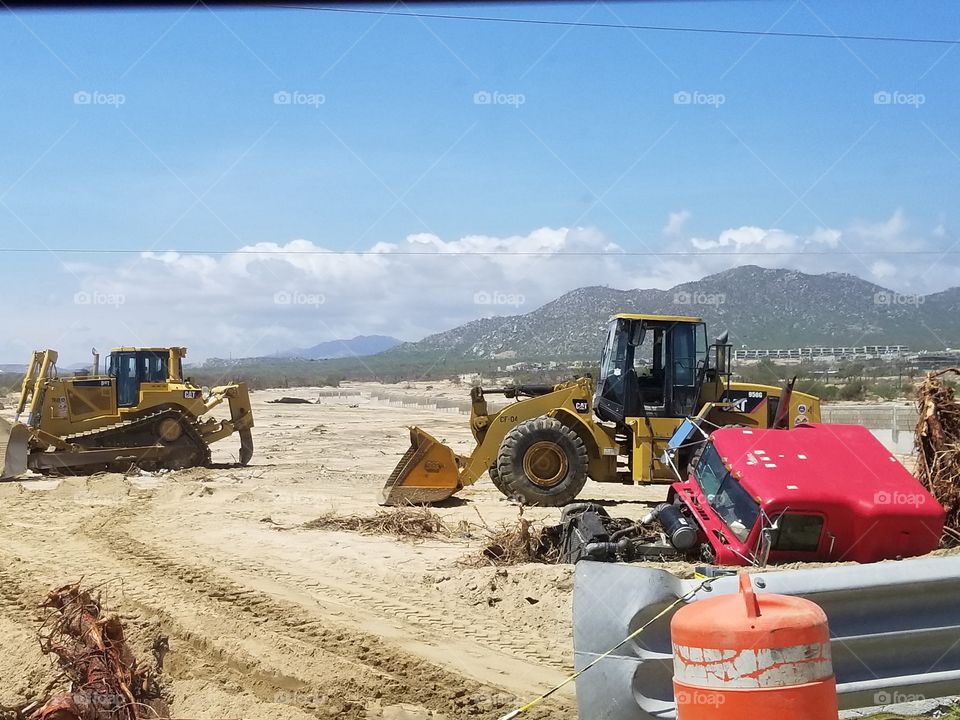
column 125, row 434
column 423, row 611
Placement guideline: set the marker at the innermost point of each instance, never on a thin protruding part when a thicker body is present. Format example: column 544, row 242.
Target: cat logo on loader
column 655, row 371
column 140, row 412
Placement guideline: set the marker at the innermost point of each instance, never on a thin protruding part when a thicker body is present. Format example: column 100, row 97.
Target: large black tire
column 495, row 477
column 542, row 462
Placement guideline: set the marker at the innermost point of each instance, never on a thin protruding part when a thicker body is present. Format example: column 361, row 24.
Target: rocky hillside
column 761, row 308
column 359, row 346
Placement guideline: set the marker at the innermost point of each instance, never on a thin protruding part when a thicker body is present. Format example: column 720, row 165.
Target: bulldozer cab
column 651, row 366
column 132, row 366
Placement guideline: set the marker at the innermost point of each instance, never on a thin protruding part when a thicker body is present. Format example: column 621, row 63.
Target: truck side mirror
column 768, row 536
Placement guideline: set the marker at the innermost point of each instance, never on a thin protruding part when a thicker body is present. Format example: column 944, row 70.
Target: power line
column 621, row 26
column 480, row 253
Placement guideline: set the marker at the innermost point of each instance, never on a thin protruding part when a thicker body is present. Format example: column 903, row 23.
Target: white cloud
column 271, row 296
column 882, row 270
column 772, row 240
column 826, row 236
column 676, row 223
column 892, row 228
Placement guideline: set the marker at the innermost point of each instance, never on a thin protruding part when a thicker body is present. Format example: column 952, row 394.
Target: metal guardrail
column 895, row 629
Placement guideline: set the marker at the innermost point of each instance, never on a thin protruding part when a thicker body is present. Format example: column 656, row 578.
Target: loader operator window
column 631, row 371
column 649, row 364
column 725, row 494
column 610, row 394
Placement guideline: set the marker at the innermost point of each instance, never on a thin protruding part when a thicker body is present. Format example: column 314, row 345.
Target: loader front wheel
column 542, row 462
column 495, row 477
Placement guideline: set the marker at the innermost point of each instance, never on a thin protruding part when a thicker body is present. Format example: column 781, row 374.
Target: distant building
column 937, row 360
column 825, row 354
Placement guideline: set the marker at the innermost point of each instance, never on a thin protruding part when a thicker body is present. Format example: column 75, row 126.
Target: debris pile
column 404, row 522
column 938, row 445
column 522, row 542
column 106, row 682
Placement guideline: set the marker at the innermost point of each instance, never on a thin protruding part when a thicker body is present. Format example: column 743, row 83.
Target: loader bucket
column 427, row 473
column 14, row 439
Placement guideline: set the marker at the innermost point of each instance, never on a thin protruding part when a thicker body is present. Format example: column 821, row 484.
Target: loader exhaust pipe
column 428, row 472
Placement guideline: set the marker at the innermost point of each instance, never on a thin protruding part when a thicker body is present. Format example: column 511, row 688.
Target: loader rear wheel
column 542, row 462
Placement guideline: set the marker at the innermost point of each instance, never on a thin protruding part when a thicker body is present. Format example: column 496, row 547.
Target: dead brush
column 415, row 523
column 105, row 680
column 937, row 441
column 517, row 543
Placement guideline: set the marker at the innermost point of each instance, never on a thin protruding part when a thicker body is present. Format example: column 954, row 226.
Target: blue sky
column 166, row 130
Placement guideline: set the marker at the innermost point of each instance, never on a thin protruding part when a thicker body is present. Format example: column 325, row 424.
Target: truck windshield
column 726, row 496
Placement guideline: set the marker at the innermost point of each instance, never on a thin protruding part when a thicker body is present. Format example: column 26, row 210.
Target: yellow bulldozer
column 141, row 412
column 656, row 372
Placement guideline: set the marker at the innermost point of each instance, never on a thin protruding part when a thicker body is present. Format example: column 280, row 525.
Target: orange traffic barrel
column 749, row 655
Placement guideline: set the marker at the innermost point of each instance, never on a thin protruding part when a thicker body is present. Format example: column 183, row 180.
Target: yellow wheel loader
column 655, row 372
column 139, row 412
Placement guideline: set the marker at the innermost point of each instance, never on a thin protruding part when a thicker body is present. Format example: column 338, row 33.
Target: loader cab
column 651, row 366
column 132, row 366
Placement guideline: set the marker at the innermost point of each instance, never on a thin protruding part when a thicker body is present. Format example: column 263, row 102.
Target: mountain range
column 359, row 346
column 760, row 307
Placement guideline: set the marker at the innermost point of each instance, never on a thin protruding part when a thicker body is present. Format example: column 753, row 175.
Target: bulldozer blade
column 427, row 473
column 246, row 446
column 14, row 439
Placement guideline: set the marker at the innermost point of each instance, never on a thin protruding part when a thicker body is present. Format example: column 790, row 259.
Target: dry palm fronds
column 405, row 522
column 937, row 442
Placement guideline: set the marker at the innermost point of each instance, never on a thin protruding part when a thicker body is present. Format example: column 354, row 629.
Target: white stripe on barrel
column 752, row 668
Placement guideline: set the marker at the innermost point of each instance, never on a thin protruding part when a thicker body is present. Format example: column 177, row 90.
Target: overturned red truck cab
column 817, row 493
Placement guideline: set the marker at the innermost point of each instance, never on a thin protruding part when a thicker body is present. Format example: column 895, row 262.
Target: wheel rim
column 545, row 464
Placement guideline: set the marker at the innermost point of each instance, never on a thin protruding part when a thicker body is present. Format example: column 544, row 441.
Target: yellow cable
column 536, row 701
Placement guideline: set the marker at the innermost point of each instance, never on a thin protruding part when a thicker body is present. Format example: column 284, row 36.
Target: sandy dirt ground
column 267, row 619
